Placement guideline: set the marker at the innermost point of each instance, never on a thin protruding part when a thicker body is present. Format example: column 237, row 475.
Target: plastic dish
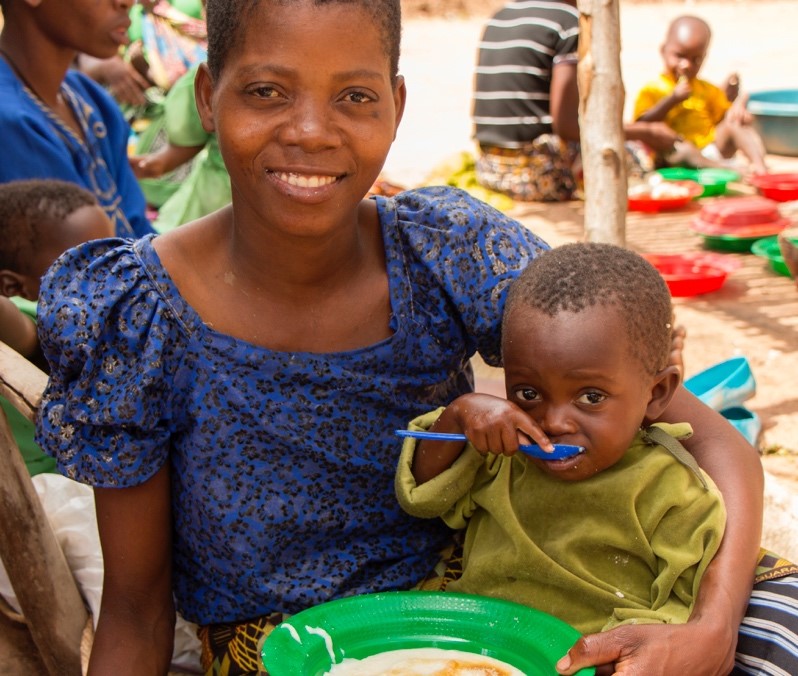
column 727, row 384
column 768, row 248
column 778, row 187
column 735, row 223
column 649, row 204
column 311, row 641
column 713, row 181
column 692, row 274
column 745, row 422
column 775, row 114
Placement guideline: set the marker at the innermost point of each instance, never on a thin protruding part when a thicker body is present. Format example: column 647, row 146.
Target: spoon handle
column 560, row 450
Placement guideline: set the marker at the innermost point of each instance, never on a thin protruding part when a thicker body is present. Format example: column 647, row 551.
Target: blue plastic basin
column 775, row 114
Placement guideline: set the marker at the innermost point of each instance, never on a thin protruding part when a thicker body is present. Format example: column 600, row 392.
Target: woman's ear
column 663, row 388
column 203, row 94
column 399, row 98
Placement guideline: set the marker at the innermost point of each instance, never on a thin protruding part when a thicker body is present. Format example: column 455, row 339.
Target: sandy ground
column 756, row 314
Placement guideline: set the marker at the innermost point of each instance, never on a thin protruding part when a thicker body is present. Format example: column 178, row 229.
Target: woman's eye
column 526, row 394
column 357, row 97
column 264, row 92
column 592, row 398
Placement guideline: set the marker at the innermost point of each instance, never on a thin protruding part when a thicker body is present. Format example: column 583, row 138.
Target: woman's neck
column 37, row 62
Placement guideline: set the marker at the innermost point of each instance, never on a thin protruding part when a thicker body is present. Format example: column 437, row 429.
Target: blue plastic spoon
column 560, row 450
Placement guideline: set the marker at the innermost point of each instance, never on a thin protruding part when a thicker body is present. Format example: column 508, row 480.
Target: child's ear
column 203, row 94
column 12, row 284
column 663, row 388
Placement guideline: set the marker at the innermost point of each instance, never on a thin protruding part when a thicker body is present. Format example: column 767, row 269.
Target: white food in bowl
column 424, row 662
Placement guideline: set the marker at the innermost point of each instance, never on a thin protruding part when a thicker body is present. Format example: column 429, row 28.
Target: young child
column 713, row 122
column 231, row 387
column 39, row 220
column 620, row 533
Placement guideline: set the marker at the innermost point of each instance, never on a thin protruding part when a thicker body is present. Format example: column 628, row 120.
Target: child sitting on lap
column 621, row 532
column 713, row 122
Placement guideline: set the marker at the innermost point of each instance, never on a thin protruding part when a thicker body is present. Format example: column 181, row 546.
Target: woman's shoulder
column 95, row 277
column 444, row 213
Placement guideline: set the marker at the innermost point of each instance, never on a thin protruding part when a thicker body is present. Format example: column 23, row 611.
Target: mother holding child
column 231, row 388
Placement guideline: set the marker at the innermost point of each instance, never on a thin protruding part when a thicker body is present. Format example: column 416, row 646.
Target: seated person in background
column 58, row 123
column 620, row 533
column 526, row 104
column 206, row 187
column 713, row 123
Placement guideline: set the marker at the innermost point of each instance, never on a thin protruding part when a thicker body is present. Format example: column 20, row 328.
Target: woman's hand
column 697, row 648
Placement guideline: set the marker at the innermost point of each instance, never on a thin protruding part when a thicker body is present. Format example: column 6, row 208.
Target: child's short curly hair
column 227, row 18
column 29, row 209
column 573, row 277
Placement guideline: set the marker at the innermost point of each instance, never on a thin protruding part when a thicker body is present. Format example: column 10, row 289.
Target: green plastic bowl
column 310, row 642
column 768, row 248
column 714, row 181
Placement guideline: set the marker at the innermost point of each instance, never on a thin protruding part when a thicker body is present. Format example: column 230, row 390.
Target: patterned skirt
column 767, row 642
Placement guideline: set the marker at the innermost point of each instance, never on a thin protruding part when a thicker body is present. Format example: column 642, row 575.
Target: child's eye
column 592, row 398
column 526, row 394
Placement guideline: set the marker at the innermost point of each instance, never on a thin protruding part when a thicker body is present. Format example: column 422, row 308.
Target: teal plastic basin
column 775, row 114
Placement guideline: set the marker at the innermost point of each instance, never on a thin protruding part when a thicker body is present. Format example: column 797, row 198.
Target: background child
column 620, row 533
column 39, row 220
column 709, row 119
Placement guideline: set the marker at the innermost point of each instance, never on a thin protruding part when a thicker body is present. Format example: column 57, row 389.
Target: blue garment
column 37, row 144
column 283, row 463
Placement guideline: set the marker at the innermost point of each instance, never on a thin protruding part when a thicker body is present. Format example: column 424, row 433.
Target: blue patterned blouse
column 283, row 463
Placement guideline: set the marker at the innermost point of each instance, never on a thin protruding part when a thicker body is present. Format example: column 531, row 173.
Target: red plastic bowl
column 693, row 273
column 740, row 217
column 650, row 204
column 779, row 187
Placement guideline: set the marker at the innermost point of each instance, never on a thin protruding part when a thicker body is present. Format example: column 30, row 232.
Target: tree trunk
column 601, row 99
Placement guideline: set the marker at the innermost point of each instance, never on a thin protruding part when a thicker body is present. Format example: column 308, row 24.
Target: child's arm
column 17, row 330
column 163, row 160
column 491, row 424
column 658, row 111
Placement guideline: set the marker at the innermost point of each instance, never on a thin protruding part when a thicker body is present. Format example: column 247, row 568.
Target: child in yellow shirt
column 713, row 122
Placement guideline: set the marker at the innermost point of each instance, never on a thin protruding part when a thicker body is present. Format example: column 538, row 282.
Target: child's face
column 684, row 52
column 83, row 224
column 96, row 27
column 305, row 111
column 575, row 376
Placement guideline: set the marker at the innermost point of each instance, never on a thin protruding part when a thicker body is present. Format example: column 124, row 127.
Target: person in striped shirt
column 525, row 105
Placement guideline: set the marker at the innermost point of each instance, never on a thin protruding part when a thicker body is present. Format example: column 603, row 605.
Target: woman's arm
column 705, row 645
column 135, row 632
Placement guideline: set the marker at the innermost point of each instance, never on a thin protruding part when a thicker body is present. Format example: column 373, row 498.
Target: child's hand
column 731, row 87
column 495, row 425
column 683, row 89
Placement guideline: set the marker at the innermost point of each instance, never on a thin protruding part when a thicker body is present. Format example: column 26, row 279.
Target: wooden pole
column 601, row 99
column 44, row 586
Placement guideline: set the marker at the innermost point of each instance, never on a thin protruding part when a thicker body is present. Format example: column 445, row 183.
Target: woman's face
column 96, row 27
column 305, row 112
